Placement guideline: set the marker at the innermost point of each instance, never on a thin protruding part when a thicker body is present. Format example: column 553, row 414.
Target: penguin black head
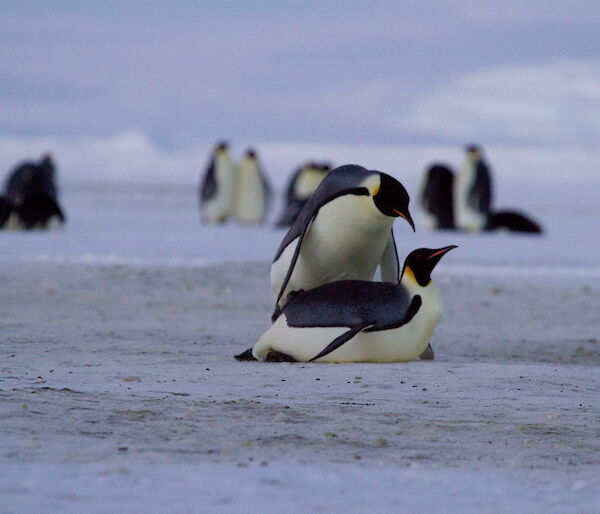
column 473, row 150
column 422, row 261
column 251, row 153
column 47, row 162
column 392, row 199
column 324, row 167
column 222, row 145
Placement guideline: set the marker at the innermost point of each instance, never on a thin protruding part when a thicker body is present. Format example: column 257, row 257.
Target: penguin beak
column 407, row 217
column 441, row 252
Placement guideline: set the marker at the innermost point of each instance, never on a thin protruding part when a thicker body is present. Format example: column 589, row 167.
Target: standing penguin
column 343, row 232
column 437, row 198
column 473, row 193
column 217, row 186
column 359, row 321
column 252, row 192
column 302, row 184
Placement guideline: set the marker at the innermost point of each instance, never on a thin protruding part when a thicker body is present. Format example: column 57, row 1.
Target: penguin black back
column 437, row 195
column 341, row 181
column 346, row 303
column 513, row 221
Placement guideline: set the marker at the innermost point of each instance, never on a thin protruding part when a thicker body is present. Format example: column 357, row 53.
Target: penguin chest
column 307, row 183
column 467, row 217
column 218, row 207
column 345, row 241
column 250, row 198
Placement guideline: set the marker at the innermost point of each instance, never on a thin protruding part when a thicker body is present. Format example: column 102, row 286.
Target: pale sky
column 333, row 72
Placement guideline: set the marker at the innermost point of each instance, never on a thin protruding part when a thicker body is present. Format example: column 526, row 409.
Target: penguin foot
column 246, row 356
column 427, row 354
column 274, row 356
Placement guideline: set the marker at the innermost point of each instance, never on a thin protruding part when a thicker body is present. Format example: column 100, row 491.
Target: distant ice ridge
column 132, row 157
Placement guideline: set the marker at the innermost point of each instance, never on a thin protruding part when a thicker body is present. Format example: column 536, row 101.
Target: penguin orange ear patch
column 376, row 190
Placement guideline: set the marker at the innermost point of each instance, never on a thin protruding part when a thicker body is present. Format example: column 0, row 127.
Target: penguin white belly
column 307, row 183
column 466, row 217
column 250, row 201
column 428, row 220
column 300, row 343
column 345, row 241
column 13, row 222
column 219, row 207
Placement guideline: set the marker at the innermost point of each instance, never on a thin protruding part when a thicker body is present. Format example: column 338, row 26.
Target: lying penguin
column 302, row 184
column 343, row 232
column 359, row 321
column 464, row 201
column 217, row 186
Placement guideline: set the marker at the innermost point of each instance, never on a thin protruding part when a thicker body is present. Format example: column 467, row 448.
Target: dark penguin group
column 464, row 201
column 327, row 307
column 30, row 199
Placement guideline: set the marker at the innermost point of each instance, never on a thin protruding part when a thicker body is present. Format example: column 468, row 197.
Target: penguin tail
column 245, row 356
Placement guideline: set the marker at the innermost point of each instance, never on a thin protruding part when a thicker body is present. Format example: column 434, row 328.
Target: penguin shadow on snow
column 463, row 201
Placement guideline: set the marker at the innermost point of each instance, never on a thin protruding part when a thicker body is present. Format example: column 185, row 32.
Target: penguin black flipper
column 390, row 265
column 209, row 182
column 337, row 342
column 292, row 205
column 480, row 196
column 339, row 182
column 368, row 327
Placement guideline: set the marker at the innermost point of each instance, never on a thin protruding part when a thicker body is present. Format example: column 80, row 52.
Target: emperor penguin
column 217, row 186
column 303, row 183
column 30, row 178
column 436, row 197
column 343, row 232
column 359, row 321
column 32, row 195
column 252, row 192
column 473, row 192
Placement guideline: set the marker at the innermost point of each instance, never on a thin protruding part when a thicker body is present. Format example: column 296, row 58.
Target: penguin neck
column 222, row 160
column 410, row 283
column 247, row 166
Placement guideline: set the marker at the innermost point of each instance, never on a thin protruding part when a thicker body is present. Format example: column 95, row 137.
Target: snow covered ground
column 119, row 392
